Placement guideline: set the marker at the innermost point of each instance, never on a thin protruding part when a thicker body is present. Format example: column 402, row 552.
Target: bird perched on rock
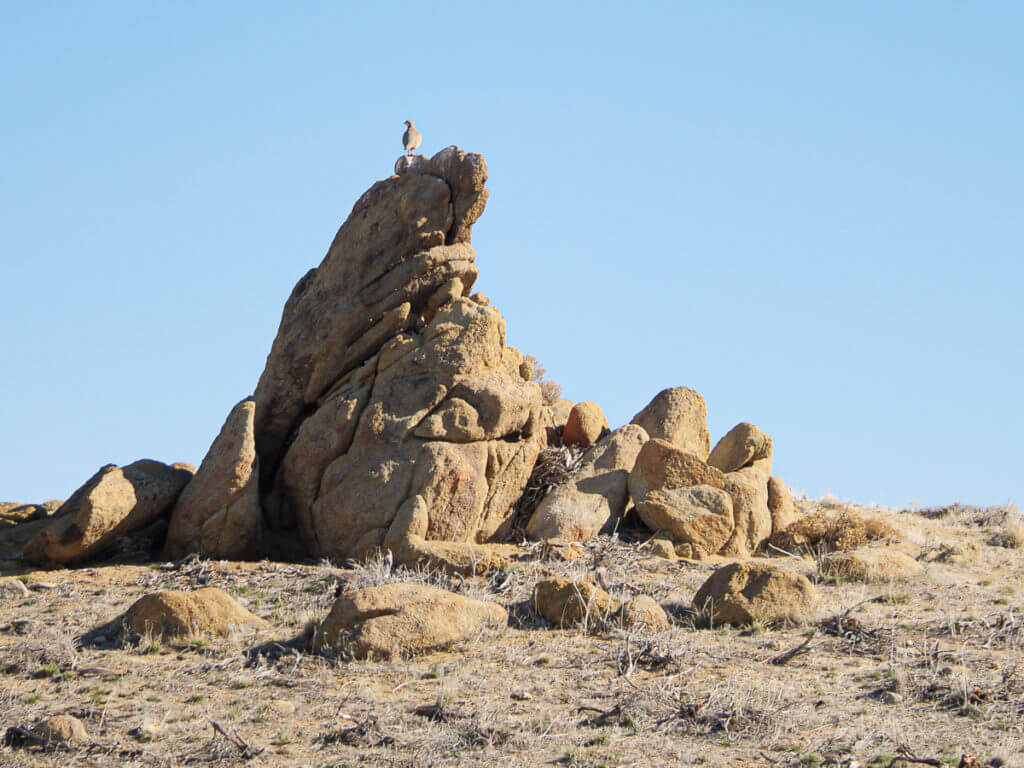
column 411, row 138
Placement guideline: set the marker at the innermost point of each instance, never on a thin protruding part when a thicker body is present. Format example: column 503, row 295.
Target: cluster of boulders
column 392, row 415
column 114, row 502
column 567, row 602
column 722, row 501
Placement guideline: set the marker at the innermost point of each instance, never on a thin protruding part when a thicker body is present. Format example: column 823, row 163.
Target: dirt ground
column 929, row 669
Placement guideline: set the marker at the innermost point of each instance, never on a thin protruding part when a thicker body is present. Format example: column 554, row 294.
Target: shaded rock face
column 386, row 385
column 113, row 502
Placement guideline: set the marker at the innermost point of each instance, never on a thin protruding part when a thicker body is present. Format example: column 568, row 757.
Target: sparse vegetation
column 550, row 389
column 932, row 666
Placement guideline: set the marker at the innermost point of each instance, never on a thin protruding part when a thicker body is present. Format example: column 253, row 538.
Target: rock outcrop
column 394, row 620
column 390, row 408
column 115, row 501
column 218, row 514
column 392, row 415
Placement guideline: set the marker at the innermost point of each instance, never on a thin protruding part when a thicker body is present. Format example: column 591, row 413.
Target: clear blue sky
column 811, row 212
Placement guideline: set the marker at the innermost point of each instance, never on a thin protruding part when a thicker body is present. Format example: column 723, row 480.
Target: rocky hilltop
column 392, row 416
column 410, row 488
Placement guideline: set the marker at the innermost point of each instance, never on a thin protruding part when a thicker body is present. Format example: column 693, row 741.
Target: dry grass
column 933, row 665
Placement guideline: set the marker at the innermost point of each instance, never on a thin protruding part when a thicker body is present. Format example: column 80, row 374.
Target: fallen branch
column 904, row 754
column 841, row 618
column 603, row 718
column 784, row 552
column 247, row 752
column 784, row 658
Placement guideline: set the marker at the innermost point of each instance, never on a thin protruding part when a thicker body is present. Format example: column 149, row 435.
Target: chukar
column 411, row 138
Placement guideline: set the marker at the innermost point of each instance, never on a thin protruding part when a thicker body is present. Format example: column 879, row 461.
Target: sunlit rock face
column 387, row 388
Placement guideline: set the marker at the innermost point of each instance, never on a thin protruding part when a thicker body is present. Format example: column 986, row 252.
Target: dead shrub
column 832, row 531
column 555, row 466
column 550, row 390
column 43, row 651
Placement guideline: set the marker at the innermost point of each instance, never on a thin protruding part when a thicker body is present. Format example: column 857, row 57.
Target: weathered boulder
column 678, row 415
column 662, row 546
column 115, row 501
column 400, row 619
column 699, row 515
column 744, row 593
column 595, row 497
column 876, row 565
column 662, row 465
column 643, row 611
column 780, row 504
column 743, row 446
column 564, row 602
column 173, row 614
column 752, row 521
column 218, row 514
column 585, row 425
column 62, row 729
column 385, row 385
